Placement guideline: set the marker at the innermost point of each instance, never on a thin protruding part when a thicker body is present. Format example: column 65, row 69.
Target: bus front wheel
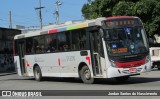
column 37, row 73
column 86, row 75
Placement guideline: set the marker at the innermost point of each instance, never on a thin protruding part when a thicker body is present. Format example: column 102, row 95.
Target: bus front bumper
column 117, row 72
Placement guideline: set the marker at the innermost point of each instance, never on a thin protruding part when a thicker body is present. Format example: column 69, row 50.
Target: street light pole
column 10, row 19
column 40, row 13
column 58, row 3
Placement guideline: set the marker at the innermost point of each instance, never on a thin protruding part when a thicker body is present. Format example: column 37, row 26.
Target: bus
column 106, row 47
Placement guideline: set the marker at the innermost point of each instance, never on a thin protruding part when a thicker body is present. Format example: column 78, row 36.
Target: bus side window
column 82, row 37
column 29, row 45
column 75, row 40
column 39, row 44
column 51, row 43
column 64, row 41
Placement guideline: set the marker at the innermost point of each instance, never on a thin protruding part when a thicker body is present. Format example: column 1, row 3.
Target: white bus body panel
column 64, row 64
column 17, row 65
column 46, row 62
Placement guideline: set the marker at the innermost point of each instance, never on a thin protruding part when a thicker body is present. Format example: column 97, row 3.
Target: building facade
column 6, row 49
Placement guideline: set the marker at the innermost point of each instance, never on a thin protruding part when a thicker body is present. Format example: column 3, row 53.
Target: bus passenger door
column 95, row 47
column 21, row 50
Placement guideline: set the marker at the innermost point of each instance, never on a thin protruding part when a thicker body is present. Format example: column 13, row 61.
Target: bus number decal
column 70, row 58
column 37, row 59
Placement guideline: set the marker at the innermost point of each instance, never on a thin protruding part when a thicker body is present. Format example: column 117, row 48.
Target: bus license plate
column 133, row 70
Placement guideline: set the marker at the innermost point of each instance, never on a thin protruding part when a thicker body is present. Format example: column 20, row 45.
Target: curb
column 4, row 74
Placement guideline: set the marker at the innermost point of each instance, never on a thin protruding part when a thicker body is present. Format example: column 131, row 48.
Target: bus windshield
column 126, row 40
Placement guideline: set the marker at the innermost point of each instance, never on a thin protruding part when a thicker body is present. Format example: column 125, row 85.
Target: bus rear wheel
column 85, row 75
column 37, row 73
column 122, row 79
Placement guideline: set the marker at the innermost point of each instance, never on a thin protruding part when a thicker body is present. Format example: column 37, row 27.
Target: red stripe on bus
column 27, row 64
column 131, row 64
column 118, row 17
column 88, row 59
column 59, row 61
column 52, row 31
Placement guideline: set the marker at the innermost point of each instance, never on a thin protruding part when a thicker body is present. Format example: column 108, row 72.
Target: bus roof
column 120, row 17
column 70, row 25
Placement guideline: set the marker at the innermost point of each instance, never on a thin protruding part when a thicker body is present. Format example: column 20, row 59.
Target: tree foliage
column 147, row 10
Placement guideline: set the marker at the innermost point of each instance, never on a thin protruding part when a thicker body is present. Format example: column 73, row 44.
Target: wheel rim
column 87, row 74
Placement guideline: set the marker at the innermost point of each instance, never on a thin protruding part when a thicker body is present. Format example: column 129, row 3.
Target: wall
column 6, row 49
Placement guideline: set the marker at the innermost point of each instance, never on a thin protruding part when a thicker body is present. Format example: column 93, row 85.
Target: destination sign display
column 122, row 22
column 119, row 50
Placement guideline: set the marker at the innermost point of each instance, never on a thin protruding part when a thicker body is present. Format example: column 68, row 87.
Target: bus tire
column 122, row 79
column 85, row 75
column 158, row 65
column 37, row 73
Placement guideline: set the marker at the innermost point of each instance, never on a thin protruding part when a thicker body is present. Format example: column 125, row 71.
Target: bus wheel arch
column 85, row 73
column 80, row 67
column 37, row 72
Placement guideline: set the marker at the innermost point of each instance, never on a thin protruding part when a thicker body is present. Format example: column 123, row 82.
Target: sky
column 24, row 13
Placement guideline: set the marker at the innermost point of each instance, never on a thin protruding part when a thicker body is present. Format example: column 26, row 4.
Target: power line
column 40, row 13
column 24, row 17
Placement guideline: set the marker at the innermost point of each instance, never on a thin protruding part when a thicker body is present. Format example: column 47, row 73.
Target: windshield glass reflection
column 124, row 41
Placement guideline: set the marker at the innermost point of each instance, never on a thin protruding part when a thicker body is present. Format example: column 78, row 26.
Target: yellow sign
column 119, row 50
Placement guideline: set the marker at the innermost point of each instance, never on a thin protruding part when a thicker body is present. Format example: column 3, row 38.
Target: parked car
column 155, row 57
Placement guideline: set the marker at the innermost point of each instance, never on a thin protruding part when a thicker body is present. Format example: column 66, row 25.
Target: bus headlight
column 147, row 59
column 113, row 64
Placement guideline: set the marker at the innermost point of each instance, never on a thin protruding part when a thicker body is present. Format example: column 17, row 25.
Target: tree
column 147, row 10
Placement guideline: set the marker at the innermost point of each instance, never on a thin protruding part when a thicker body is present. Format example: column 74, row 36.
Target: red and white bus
column 113, row 47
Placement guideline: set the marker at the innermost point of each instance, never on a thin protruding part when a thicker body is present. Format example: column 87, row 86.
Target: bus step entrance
column 97, row 68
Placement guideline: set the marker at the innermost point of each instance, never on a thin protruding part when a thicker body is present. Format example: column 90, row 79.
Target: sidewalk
column 6, row 73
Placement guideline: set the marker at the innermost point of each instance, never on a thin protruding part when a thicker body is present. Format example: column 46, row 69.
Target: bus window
column 78, row 39
column 51, row 43
column 114, row 34
column 39, row 44
column 64, row 41
column 82, row 37
column 29, row 45
column 75, row 40
column 121, row 34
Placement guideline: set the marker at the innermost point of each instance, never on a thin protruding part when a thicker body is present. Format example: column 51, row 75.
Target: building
column 6, row 49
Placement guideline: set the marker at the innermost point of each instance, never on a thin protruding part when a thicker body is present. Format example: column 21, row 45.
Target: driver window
column 113, row 34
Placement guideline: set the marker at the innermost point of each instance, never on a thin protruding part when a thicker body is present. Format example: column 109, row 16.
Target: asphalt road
column 146, row 81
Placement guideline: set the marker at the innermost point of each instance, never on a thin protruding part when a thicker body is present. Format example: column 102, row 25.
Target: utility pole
column 40, row 13
column 58, row 3
column 10, row 19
